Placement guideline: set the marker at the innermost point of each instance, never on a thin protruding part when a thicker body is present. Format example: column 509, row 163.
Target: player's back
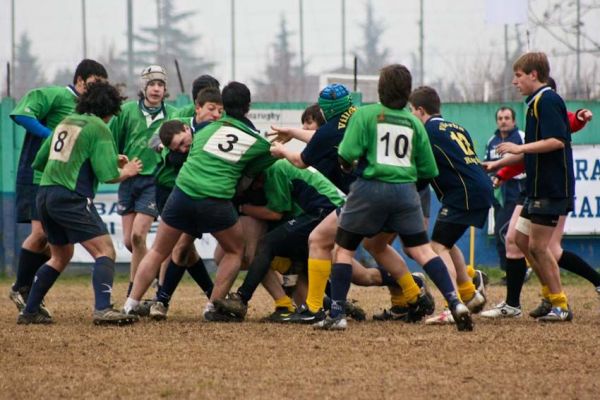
column 462, row 182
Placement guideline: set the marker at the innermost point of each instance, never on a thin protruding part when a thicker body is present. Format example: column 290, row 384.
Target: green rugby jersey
column 49, row 105
column 293, row 191
column 132, row 130
column 79, row 154
column 220, row 153
column 390, row 145
column 186, row 111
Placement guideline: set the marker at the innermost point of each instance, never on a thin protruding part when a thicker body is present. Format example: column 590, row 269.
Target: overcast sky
column 456, row 31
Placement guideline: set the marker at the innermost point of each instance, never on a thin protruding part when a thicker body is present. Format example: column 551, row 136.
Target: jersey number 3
column 229, row 144
column 63, row 140
column 394, row 145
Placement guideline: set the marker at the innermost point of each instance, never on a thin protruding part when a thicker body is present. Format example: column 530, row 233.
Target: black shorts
column 196, row 217
column 290, row 238
column 452, row 223
column 546, row 211
column 25, row 203
column 68, row 217
column 162, row 195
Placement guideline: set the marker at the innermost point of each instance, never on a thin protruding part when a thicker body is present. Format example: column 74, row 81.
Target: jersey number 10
column 394, row 144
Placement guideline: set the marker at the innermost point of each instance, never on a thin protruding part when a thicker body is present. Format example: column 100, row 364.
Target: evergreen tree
column 28, row 73
column 285, row 80
column 116, row 67
column 163, row 43
column 63, row 76
column 370, row 58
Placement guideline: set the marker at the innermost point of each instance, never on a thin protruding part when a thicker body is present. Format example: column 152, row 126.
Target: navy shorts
column 138, row 194
column 452, row 223
column 373, row 206
column 196, row 217
column 162, row 195
column 68, row 217
column 25, row 196
column 476, row 217
column 290, row 238
column 546, row 211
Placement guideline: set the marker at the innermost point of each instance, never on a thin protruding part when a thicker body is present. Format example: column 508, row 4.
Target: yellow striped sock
column 471, row 271
column 545, row 292
column 399, row 300
column 558, row 300
column 410, row 289
column 466, row 290
column 281, row 264
column 286, row 302
column 318, row 274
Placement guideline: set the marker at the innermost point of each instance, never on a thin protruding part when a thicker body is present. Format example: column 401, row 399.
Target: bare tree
column 573, row 25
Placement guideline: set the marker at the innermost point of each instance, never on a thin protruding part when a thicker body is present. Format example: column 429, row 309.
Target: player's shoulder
column 171, row 110
column 129, row 105
column 550, row 98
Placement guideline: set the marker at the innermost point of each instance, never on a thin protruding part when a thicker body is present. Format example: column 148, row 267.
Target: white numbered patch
column 63, row 141
column 229, row 143
column 394, row 145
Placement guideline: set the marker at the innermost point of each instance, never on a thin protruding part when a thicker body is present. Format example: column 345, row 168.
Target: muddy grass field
column 185, row 357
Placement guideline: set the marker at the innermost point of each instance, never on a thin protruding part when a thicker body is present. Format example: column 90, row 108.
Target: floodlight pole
column 233, row 40
column 421, row 43
column 344, row 35
column 12, row 48
column 130, row 43
column 578, row 83
column 84, row 28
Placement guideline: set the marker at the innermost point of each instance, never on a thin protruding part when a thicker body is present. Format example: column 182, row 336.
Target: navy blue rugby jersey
column 321, row 152
column 462, row 182
column 549, row 175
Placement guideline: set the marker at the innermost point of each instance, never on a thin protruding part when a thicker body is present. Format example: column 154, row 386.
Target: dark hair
column 87, row 68
column 534, row 61
column 236, row 99
column 170, row 129
column 512, row 112
column 203, row 82
column 394, row 86
column 209, row 95
column 101, row 99
column 427, row 98
column 314, row 113
column 552, row 83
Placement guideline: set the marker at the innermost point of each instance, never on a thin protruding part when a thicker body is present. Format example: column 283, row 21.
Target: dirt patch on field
column 185, row 357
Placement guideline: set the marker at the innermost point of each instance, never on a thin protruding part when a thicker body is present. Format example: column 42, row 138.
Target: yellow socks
column 471, row 271
column 281, row 264
column 318, row 274
column 286, row 302
column 399, row 300
column 558, row 300
column 409, row 287
column 545, row 292
column 466, row 290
